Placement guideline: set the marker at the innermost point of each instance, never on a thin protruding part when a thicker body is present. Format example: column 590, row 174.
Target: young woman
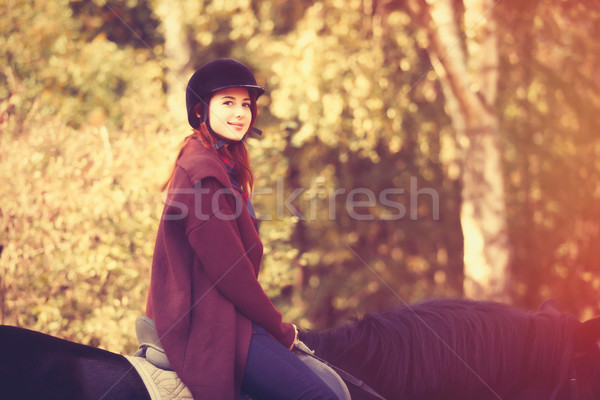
column 220, row 331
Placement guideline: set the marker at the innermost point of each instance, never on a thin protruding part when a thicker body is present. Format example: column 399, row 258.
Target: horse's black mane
column 472, row 349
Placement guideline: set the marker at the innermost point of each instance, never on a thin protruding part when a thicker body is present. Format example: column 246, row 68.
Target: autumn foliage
column 353, row 107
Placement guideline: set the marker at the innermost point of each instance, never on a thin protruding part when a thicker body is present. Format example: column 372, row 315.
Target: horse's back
column 37, row 366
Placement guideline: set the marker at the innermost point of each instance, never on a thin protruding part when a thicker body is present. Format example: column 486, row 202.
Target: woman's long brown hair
column 236, row 152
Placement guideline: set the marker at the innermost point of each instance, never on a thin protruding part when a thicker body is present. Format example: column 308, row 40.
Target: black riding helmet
column 216, row 75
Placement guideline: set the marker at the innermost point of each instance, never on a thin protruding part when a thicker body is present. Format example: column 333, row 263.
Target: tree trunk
column 177, row 56
column 468, row 69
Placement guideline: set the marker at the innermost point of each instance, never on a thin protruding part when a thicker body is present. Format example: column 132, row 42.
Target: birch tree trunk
column 468, row 69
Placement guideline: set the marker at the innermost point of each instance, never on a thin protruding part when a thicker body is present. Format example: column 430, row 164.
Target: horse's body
column 38, row 366
column 442, row 350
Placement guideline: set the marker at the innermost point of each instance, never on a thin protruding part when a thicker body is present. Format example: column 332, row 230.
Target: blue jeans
column 274, row 372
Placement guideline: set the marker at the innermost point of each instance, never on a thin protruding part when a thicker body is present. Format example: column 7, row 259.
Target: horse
column 451, row 349
column 442, row 349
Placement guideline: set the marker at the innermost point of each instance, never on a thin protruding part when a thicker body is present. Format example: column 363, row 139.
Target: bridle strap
column 302, row 348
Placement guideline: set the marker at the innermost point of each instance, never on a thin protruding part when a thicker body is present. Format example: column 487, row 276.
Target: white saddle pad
column 161, row 384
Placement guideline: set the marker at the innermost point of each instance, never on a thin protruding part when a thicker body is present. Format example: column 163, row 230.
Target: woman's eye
column 246, row 105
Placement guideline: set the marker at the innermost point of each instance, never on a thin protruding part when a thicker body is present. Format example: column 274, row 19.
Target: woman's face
column 230, row 113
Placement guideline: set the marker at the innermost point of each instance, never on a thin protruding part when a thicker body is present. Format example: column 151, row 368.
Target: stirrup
column 150, row 347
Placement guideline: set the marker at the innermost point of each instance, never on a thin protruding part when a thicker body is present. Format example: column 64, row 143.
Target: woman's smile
column 237, row 125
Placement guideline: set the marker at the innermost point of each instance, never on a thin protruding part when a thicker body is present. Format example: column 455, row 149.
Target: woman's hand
column 295, row 337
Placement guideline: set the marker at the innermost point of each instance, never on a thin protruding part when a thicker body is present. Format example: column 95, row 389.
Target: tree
column 468, row 70
column 177, row 55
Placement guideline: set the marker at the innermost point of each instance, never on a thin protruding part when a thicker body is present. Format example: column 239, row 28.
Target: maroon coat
column 204, row 291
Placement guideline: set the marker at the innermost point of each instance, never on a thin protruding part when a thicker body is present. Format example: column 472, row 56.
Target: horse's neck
column 326, row 344
column 339, row 346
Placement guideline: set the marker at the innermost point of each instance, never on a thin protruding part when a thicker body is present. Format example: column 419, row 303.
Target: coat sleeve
column 213, row 233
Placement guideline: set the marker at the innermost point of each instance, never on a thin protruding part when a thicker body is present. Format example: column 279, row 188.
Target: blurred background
column 411, row 150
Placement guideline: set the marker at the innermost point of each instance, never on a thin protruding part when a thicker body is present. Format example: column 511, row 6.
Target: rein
column 573, row 386
column 302, row 348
